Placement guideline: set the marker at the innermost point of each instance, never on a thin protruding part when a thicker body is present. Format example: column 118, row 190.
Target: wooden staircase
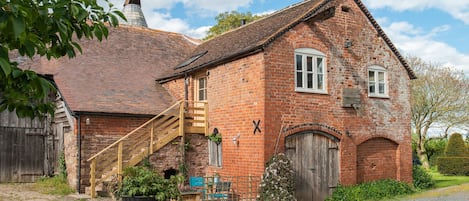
column 147, row 139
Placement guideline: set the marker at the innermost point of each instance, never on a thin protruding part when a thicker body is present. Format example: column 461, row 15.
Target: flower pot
column 138, row 198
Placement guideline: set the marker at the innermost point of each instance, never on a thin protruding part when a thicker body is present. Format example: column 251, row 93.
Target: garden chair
column 197, row 184
column 222, row 190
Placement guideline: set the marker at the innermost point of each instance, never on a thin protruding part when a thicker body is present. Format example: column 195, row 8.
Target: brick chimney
column 133, row 12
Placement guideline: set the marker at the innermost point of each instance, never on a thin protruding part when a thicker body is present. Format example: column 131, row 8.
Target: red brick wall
column 104, row 130
column 175, row 88
column 346, row 68
column 376, row 159
column 236, row 98
column 197, row 154
column 101, row 132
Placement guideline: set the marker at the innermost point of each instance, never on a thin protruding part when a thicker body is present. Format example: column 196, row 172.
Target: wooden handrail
column 133, row 131
column 173, row 124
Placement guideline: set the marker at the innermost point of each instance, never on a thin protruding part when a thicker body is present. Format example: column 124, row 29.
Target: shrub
column 453, row 165
column 422, row 180
column 142, row 181
column 456, row 146
column 456, row 161
column 375, row 190
column 277, row 181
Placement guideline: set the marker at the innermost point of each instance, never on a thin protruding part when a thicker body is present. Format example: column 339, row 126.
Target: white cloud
column 157, row 15
column 415, row 41
column 165, row 22
column 459, row 9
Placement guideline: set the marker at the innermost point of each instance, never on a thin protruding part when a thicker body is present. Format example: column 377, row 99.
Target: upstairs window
column 377, row 82
column 310, row 71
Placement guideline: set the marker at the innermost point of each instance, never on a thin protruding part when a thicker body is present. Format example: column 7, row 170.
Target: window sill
column 310, row 91
column 379, row 96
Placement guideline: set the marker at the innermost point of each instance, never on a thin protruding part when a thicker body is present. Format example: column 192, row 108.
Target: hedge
column 453, row 165
column 375, row 190
column 456, row 146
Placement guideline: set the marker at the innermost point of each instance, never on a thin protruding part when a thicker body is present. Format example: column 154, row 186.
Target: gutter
column 247, row 52
column 79, row 153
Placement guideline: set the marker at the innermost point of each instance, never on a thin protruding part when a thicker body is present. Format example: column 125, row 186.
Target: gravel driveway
column 26, row 192
column 452, row 193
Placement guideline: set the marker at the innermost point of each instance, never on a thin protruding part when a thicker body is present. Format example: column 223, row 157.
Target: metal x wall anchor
column 256, row 126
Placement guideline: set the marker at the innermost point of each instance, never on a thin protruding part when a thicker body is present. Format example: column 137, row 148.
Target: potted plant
column 215, row 137
column 143, row 184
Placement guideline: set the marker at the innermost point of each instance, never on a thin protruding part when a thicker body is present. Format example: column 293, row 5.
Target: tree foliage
column 434, row 148
column 439, row 98
column 46, row 28
column 230, row 20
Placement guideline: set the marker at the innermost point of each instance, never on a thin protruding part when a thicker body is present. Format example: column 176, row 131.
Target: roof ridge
column 147, row 29
column 261, row 19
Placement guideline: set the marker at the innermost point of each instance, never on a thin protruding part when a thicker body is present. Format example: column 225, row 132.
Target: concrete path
column 452, row 193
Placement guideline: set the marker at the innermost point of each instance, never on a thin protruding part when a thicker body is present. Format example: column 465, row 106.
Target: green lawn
column 444, row 181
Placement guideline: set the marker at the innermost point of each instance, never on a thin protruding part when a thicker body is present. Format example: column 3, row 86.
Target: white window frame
column 314, row 55
column 376, row 82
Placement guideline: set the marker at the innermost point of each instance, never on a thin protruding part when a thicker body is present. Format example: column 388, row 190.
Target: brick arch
column 302, row 128
column 377, row 159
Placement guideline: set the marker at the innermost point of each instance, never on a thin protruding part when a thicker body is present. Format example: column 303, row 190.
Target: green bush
column 456, row 161
column 453, row 165
column 456, row 146
column 375, row 190
column 277, row 182
column 142, row 181
column 422, row 180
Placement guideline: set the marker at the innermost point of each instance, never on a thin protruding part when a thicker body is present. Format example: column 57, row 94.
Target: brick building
column 318, row 80
column 323, row 79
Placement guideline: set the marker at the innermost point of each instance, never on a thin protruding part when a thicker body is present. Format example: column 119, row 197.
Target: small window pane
column 299, row 62
column 381, row 88
column 310, row 80
column 309, row 64
column 372, row 88
column 381, row 76
column 202, row 89
column 371, row 76
column 320, row 82
column 299, row 79
column 320, row 65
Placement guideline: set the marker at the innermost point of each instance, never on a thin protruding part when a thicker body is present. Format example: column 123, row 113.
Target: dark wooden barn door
column 316, row 164
column 21, row 155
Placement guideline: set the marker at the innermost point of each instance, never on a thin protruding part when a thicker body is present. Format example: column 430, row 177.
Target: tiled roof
column 252, row 37
column 118, row 75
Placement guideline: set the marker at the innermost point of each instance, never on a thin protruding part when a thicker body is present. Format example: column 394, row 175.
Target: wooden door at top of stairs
column 315, row 162
column 200, row 96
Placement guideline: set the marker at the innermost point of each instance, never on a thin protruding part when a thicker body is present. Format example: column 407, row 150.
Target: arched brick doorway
column 376, row 159
column 315, row 158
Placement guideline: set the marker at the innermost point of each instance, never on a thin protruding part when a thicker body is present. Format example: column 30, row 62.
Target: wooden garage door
column 316, row 164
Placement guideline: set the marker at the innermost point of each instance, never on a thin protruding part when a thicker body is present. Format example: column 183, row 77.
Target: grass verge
column 56, row 185
column 444, row 185
column 445, row 181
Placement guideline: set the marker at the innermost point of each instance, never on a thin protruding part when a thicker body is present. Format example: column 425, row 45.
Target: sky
column 435, row 30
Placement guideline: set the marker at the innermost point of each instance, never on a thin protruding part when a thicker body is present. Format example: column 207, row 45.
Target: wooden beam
column 206, row 118
column 93, row 178
column 119, row 162
column 151, row 139
column 324, row 15
column 181, row 120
